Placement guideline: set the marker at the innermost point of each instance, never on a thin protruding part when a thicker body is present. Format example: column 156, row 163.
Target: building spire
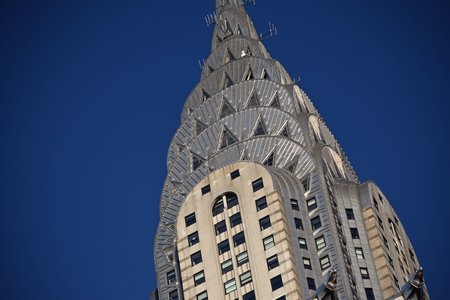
column 231, row 19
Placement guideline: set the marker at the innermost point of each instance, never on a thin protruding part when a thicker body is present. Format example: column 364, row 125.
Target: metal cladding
column 247, row 108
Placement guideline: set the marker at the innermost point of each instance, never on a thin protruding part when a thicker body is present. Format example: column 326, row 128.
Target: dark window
column 206, row 189
column 193, row 238
column 218, row 207
column 199, row 278
column 173, row 295
column 311, row 283
column 235, row 219
column 355, row 233
column 315, row 223
column 264, row 223
column 261, row 203
column 385, row 242
column 306, row 183
column 349, row 213
column 238, row 239
column 369, row 294
column 311, row 203
column 375, row 203
column 235, row 174
column 364, row 273
column 227, row 266
column 242, row 258
column 220, row 227
column 276, row 282
column 272, row 262
column 196, row 258
column 245, row 278
column 190, row 219
column 281, row 298
column 307, row 263
column 223, row 247
column 171, row 277
column 257, row 184
column 232, row 200
column 249, row 296
column 380, row 222
column 302, row 243
column 294, row 204
column 411, row 254
column 298, row 223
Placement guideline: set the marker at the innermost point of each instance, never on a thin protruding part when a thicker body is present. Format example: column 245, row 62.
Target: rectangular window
column 307, row 263
column 311, row 283
column 364, row 273
column 242, row 258
column 190, row 219
column 264, row 223
column 315, row 223
column 320, row 243
column 350, row 215
column 202, row 296
column 220, row 227
column 294, row 204
column 199, row 278
column 359, row 253
column 311, row 203
column 227, row 266
column 238, row 239
column 268, row 242
column 306, row 183
column 276, row 282
column 235, row 174
column 196, row 258
column 223, row 247
column 249, row 296
column 206, row 189
column 257, row 184
column 325, row 262
column 230, row 286
column 298, row 223
column 302, row 243
column 193, row 239
column 232, row 201
column 272, row 262
column 261, row 203
column 369, row 294
column 171, row 277
column 235, row 219
column 245, row 278
column 173, row 295
column 355, row 233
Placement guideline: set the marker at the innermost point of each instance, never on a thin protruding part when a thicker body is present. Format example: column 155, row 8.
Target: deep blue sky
column 91, row 93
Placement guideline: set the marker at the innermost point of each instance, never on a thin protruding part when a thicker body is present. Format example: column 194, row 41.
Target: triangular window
column 285, row 131
column 244, row 155
column 219, row 39
column 226, row 81
column 199, row 126
column 226, row 109
column 270, row 159
column 248, row 74
column 265, row 75
column 210, row 69
column 275, row 101
column 238, row 30
column 248, row 51
column 253, row 101
column 260, row 129
column 228, row 56
column 205, row 95
column 197, row 161
column 291, row 167
column 180, row 148
column 227, row 28
column 227, row 139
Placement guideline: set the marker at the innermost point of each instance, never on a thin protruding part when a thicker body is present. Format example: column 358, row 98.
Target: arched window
column 218, row 206
column 232, row 200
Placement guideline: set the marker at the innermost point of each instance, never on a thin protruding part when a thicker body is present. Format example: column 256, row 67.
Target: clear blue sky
column 91, row 93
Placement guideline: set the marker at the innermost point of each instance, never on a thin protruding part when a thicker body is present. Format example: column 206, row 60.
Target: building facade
column 260, row 201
